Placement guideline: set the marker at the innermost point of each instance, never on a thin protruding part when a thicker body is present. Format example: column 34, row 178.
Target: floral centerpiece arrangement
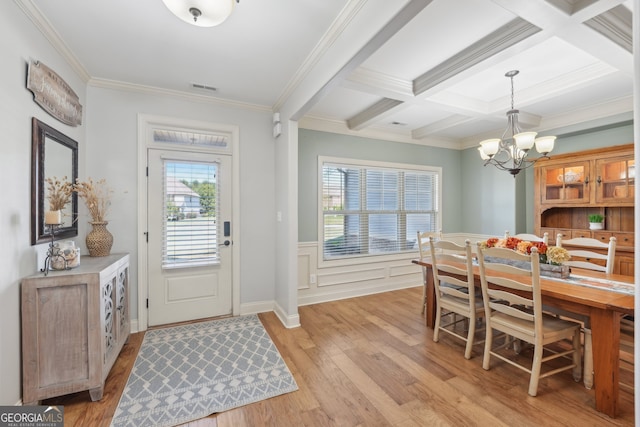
column 551, row 257
column 97, row 198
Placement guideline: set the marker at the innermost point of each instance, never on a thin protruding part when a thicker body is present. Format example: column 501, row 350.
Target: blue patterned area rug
column 191, row 371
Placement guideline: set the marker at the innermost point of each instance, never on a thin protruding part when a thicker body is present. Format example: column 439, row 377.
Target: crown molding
column 44, row 26
column 338, row 26
column 608, row 112
column 339, row 127
column 560, row 85
column 449, row 122
column 150, row 90
column 602, row 111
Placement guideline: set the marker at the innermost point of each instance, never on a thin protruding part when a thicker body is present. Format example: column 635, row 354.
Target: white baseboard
column 256, row 307
column 289, row 321
column 352, row 293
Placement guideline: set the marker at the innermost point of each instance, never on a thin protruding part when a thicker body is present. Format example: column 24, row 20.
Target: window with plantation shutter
column 190, row 212
column 377, row 208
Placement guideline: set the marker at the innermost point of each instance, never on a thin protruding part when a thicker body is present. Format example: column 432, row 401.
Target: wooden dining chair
column 513, row 306
column 425, row 251
column 589, row 253
column 455, row 291
column 530, row 237
column 584, row 255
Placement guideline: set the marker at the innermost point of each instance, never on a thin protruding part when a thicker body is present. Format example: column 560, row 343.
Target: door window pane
column 190, row 214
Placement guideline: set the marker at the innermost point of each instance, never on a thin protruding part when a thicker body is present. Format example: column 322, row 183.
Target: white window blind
column 370, row 210
column 191, row 212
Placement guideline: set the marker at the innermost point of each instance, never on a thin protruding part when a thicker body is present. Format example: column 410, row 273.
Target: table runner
column 591, row 282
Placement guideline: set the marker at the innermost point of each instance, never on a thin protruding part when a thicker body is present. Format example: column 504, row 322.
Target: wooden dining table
column 595, row 297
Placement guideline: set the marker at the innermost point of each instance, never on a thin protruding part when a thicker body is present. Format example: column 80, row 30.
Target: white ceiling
column 439, row 80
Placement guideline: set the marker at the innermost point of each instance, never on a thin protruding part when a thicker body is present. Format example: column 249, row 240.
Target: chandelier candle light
column 509, row 153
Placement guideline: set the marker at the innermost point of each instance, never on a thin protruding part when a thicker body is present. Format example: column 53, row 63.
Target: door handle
column 225, row 243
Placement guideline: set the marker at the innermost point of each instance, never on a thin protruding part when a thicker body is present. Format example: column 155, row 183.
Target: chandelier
column 202, row 13
column 509, row 153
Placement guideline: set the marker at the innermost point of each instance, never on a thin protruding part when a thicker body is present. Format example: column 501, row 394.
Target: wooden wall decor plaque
column 53, row 94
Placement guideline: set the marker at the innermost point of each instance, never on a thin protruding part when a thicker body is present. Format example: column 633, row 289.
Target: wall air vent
column 203, row 87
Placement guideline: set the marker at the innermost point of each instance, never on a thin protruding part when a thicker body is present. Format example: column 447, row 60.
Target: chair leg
column 436, row 327
column 424, row 298
column 576, row 356
column 535, row 370
column 488, row 342
column 588, row 359
column 470, row 336
column 517, row 345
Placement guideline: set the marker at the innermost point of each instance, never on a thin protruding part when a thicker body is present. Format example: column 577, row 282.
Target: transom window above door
column 191, row 139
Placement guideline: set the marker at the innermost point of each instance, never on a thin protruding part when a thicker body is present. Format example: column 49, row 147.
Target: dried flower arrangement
column 58, row 192
column 96, row 196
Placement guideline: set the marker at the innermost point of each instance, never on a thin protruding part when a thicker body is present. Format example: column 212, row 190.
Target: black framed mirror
column 53, row 155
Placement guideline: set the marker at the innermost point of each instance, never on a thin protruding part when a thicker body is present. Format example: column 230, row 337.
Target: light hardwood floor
column 370, row 361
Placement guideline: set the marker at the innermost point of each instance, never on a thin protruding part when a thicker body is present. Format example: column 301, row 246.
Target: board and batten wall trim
column 317, row 285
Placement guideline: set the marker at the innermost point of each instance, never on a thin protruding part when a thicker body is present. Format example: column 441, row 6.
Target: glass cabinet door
column 615, row 179
column 568, row 183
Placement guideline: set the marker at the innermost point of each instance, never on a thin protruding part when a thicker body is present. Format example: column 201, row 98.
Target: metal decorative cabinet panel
column 74, row 324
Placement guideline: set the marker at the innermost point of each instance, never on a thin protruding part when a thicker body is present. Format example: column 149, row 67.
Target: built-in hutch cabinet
column 74, row 324
column 570, row 187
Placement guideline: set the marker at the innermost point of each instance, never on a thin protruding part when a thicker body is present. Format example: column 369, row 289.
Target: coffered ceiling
column 437, row 80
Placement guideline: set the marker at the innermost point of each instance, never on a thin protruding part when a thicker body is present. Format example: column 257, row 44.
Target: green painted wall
column 491, row 186
column 476, row 199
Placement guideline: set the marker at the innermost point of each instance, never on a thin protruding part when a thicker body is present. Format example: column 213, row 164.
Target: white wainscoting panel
column 331, row 283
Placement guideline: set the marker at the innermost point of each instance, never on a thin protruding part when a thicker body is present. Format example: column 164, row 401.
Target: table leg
column 605, row 331
column 430, row 314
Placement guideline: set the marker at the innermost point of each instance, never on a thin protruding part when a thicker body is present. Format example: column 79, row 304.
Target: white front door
column 189, row 236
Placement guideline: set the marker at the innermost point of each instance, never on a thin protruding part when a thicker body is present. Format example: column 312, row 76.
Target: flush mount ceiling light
column 202, row 13
column 509, row 153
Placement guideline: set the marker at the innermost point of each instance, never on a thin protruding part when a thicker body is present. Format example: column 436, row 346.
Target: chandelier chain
column 512, row 97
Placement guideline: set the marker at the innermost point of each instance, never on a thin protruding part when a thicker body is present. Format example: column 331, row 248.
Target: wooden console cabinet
column 74, row 324
column 570, row 187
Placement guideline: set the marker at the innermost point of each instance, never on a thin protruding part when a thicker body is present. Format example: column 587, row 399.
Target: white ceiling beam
column 616, row 25
column 571, row 28
column 376, row 83
column 380, row 109
column 504, row 37
column 397, row 22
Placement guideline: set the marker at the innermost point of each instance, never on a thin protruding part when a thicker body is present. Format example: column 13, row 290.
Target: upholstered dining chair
column 513, row 306
column 584, row 249
column 455, row 290
column 425, row 252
